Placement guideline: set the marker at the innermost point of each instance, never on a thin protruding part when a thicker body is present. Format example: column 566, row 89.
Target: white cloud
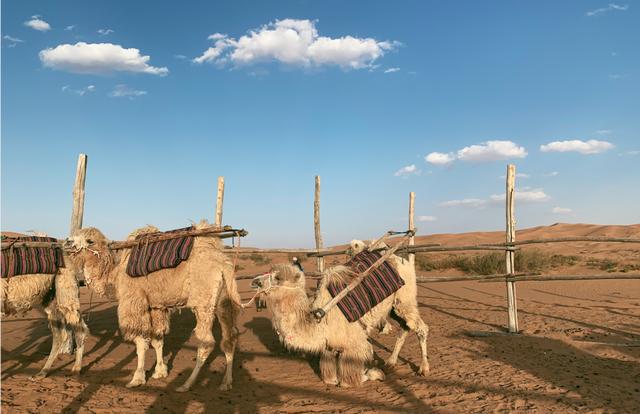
column 38, row 24
column 631, row 153
column 12, row 41
column 297, row 43
column 466, row 202
column 407, row 171
column 518, row 175
column 561, row 210
column 70, row 27
column 104, row 32
column 440, row 158
column 610, row 7
column 492, row 151
column 181, row 57
column 392, row 70
column 592, row 146
column 123, row 91
column 81, row 91
column 524, row 196
column 98, row 58
column 551, row 174
column 427, row 218
column 604, row 132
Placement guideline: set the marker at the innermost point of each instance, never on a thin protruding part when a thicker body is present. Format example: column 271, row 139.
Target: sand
column 579, row 351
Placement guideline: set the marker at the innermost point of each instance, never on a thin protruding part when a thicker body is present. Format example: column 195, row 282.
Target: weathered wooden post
column 316, row 223
column 219, row 202
column 412, row 239
column 78, row 195
column 510, row 254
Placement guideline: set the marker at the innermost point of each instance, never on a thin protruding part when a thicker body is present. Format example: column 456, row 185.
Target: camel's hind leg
column 80, row 331
column 227, row 313
column 206, row 342
column 411, row 318
column 393, row 358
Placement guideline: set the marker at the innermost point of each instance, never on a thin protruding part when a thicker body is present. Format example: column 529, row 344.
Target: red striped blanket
column 31, row 260
column 376, row 287
column 147, row 257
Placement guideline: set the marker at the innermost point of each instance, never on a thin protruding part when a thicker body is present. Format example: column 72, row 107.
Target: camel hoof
column 182, row 388
column 225, row 387
column 424, row 370
column 160, row 373
column 375, row 374
column 135, row 383
column 331, row 381
column 76, row 371
column 390, row 364
column 40, row 375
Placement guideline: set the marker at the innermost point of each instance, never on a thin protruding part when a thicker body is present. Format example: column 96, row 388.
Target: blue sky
column 378, row 98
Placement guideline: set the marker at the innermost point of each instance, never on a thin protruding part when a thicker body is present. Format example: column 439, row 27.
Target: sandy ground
column 579, row 351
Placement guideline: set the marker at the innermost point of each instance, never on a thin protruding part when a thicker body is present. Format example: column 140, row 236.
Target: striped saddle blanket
column 150, row 256
column 30, row 260
column 376, row 287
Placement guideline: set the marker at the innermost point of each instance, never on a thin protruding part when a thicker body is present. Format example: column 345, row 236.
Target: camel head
column 356, row 246
column 283, row 276
column 89, row 250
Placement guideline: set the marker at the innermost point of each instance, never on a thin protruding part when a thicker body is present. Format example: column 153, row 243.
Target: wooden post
column 219, row 202
column 412, row 239
column 510, row 254
column 78, row 195
column 316, row 223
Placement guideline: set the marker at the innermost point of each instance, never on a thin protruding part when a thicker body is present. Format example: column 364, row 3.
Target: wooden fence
column 510, row 246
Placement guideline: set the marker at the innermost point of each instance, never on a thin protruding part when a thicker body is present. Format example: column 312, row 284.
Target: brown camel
column 345, row 352
column 204, row 283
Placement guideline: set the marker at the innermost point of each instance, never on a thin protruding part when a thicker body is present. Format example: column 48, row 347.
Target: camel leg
column 139, row 378
column 227, row 315
column 393, row 358
column 160, row 326
column 415, row 323
column 329, row 368
column 80, row 331
column 59, row 335
column 206, row 342
column 351, row 367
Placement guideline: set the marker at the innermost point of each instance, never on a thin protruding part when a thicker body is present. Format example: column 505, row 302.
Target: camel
column 345, row 353
column 204, row 283
column 56, row 294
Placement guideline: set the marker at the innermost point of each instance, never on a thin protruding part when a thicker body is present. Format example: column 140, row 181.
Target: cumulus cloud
column 427, row 218
column 98, row 58
column 610, row 7
column 551, row 174
column 104, row 32
column 561, row 210
column 485, row 152
column 392, row 70
column 70, row 27
column 296, row 43
column 123, row 91
column 407, row 171
column 36, row 23
column 81, row 91
column 466, row 202
column 440, row 158
column 593, row 146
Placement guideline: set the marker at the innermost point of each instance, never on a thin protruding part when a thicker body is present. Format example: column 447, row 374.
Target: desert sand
column 579, row 351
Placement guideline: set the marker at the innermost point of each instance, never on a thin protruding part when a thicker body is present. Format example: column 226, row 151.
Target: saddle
column 23, row 260
column 150, row 256
column 376, row 287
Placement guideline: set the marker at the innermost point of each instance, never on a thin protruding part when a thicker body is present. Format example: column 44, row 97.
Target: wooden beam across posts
column 219, row 202
column 78, row 195
column 316, row 224
column 549, row 278
column 510, row 255
column 412, row 226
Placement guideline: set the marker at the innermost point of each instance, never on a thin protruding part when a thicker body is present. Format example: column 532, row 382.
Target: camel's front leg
column 227, row 314
column 160, row 370
column 80, row 330
column 329, row 368
column 59, row 337
column 139, row 375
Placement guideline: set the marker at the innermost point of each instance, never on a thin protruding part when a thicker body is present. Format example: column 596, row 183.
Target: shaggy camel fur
column 345, row 352
column 57, row 294
column 204, row 283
